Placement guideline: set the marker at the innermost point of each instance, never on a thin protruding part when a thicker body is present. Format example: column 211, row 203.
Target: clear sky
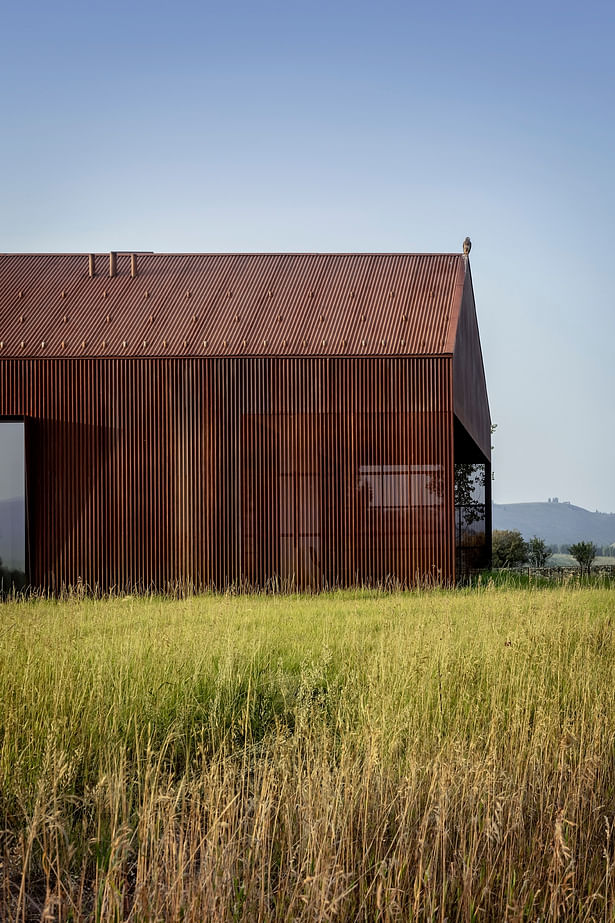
column 350, row 126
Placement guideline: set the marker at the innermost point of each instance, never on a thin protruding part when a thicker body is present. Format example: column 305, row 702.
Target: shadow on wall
column 68, row 463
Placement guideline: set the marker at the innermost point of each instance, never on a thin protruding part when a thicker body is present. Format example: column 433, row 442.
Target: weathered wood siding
column 254, row 471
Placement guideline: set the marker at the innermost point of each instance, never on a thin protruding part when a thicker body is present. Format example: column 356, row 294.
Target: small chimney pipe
column 133, row 265
column 92, row 265
column 113, row 263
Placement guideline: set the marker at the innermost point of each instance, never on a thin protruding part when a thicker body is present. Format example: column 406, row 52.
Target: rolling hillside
column 557, row 523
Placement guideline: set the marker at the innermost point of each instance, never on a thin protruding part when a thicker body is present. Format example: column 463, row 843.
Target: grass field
column 435, row 755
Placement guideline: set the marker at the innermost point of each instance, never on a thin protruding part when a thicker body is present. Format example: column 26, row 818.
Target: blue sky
column 350, row 126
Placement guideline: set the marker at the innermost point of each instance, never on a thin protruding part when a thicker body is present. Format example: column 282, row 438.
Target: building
column 240, row 419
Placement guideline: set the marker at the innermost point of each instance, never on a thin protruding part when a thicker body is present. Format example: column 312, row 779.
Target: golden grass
column 435, row 755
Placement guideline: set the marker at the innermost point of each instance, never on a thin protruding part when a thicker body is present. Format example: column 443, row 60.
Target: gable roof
column 265, row 304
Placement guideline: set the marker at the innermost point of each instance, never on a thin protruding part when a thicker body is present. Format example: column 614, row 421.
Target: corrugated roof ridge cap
column 167, row 253
column 382, row 253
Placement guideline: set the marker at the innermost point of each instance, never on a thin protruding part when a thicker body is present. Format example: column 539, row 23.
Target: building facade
column 265, row 420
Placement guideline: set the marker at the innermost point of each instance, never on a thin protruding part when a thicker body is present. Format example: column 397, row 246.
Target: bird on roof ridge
column 467, row 246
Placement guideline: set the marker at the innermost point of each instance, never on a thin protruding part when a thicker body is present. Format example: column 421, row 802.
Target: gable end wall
column 470, row 401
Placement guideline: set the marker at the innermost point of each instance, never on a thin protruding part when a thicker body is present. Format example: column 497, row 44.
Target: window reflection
column 470, row 521
column 397, row 487
column 12, row 505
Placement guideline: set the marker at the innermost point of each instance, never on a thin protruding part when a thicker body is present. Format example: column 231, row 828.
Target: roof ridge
column 230, row 253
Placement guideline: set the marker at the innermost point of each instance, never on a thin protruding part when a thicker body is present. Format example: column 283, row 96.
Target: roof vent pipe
column 91, row 265
column 113, row 263
column 133, row 265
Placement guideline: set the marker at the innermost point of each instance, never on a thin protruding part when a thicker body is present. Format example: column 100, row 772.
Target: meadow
column 434, row 755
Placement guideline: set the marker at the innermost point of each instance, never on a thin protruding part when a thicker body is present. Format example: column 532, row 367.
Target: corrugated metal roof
column 270, row 304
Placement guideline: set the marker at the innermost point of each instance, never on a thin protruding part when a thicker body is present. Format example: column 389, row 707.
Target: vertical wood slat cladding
column 251, row 471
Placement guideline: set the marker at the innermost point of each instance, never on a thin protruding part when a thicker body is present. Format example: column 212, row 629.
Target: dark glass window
column 470, row 518
column 12, row 505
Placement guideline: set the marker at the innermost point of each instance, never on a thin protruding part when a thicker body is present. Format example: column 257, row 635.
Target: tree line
column 511, row 550
column 607, row 551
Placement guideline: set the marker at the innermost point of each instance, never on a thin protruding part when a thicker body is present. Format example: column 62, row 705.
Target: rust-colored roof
column 270, row 304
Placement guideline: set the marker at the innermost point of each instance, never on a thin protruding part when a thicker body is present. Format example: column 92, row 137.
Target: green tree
column 584, row 554
column 470, row 492
column 538, row 552
column 509, row 549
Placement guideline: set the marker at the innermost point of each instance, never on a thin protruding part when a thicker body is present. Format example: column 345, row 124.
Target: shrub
column 509, row 549
column 584, row 553
column 538, row 552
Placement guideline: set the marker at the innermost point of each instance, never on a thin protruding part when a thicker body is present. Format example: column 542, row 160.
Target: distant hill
column 557, row 523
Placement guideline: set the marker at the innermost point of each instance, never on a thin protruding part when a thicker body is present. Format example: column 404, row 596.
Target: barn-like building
column 249, row 420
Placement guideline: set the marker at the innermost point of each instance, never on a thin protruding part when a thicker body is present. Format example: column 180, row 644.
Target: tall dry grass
column 427, row 756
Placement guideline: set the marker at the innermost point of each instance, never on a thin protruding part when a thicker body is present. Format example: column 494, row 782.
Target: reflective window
column 470, row 522
column 397, row 487
column 12, row 505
